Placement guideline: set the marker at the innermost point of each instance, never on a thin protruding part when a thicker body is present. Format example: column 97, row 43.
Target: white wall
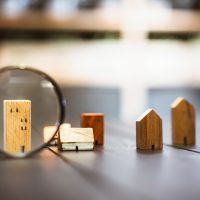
column 133, row 67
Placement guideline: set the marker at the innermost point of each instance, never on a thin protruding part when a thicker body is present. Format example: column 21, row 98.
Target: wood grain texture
column 95, row 121
column 77, row 136
column 149, row 131
column 183, row 122
column 17, row 126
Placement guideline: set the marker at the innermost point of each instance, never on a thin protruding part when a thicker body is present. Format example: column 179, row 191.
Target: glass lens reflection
column 26, row 86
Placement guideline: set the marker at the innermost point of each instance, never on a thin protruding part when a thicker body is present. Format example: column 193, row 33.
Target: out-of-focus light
column 13, row 7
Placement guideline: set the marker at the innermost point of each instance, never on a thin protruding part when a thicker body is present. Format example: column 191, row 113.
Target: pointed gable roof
column 178, row 102
column 148, row 113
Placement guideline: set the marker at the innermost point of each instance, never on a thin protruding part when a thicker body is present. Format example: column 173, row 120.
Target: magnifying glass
column 30, row 100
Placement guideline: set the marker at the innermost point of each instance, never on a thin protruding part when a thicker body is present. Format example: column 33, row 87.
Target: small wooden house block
column 183, row 122
column 149, row 131
column 76, row 139
column 17, row 126
column 50, row 130
column 95, row 121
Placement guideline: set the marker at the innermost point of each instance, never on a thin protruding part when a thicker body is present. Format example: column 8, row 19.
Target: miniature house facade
column 17, row 126
column 149, row 131
column 183, row 122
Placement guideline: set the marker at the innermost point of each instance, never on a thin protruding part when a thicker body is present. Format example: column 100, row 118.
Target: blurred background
column 113, row 56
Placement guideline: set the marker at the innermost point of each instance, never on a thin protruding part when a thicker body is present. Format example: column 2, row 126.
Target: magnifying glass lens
column 29, row 111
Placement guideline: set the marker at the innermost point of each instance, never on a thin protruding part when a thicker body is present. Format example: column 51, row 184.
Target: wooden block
column 149, row 131
column 50, row 130
column 95, row 121
column 17, row 126
column 76, row 139
column 48, row 133
column 183, row 122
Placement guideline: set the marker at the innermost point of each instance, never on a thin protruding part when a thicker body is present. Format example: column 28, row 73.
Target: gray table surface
column 113, row 171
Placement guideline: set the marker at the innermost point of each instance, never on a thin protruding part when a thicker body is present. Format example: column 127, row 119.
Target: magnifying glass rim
column 60, row 98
